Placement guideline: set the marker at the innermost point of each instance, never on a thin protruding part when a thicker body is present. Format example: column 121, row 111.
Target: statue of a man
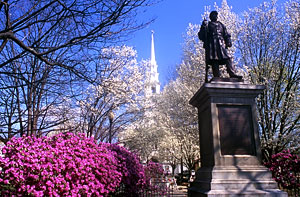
column 216, row 40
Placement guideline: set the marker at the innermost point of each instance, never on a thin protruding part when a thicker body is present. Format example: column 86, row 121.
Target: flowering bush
column 155, row 176
column 133, row 174
column 73, row 165
column 285, row 168
column 61, row 165
column 154, row 170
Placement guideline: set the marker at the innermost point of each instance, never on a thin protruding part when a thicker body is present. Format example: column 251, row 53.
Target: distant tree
column 164, row 130
column 144, row 134
column 117, row 91
column 179, row 121
column 268, row 43
column 144, row 138
column 49, row 50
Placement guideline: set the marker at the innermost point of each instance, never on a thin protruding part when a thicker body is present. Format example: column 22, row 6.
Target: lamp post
column 110, row 118
column 181, row 162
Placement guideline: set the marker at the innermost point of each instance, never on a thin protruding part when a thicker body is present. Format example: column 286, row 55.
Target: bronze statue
column 216, row 40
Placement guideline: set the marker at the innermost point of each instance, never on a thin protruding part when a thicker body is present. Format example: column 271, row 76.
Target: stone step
column 234, row 173
column 218, row 184
column 252, row 193
column 239, row 193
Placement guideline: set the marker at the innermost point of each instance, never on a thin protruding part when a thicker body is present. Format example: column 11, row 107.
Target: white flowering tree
column 179, row 121
column 144, row 134
column 118, row 90
column 269, row 44
column 167, row 130
column 144, row 137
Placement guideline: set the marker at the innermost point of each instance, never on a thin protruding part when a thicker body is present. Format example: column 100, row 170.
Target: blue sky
column 172, row 19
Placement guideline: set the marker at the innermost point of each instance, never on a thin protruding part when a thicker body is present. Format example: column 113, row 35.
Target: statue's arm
column 227, row 37
column 202, row 34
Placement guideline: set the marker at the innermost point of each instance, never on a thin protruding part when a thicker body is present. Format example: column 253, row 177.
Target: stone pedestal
column 229, row 142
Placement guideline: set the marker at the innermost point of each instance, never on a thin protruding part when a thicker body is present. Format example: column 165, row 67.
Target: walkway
column 181, row 192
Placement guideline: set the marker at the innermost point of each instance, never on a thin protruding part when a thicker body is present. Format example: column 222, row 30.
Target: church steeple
column 154, row 85
column 152, row 59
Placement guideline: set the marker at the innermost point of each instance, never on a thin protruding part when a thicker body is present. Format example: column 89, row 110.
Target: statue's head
column 213, row 16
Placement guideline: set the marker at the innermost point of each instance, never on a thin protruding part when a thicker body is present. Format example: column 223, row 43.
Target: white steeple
column 152, row 60
column 154, row 85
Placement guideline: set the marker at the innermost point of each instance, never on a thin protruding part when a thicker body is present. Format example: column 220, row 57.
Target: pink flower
column 285, row 169
column 71, row 165
column 53, row 166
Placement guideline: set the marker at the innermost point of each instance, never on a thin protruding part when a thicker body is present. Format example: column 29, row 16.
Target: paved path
column 180, row 192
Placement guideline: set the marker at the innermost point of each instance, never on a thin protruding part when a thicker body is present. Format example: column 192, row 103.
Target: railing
column 160, row 187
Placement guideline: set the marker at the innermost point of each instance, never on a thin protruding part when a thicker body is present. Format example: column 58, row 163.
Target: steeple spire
column 154, row 86
column 152, row 59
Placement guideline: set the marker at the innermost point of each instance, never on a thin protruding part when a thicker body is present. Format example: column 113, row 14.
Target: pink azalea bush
column 154, row 170
column 62, row 165
column 133, row 173
column 285, row 168
column 137, row 179
column 155, row 176
column 73, row 165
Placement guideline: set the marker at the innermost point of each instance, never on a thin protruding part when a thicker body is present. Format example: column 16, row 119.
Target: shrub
column 73, row 165
column 285, row 168
column 155, row 176
column 133, row 174
column 65, row 164
column 154, row 170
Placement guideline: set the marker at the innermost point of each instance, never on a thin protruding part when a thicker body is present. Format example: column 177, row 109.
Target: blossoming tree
column 268, row 42
column 117, row 90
